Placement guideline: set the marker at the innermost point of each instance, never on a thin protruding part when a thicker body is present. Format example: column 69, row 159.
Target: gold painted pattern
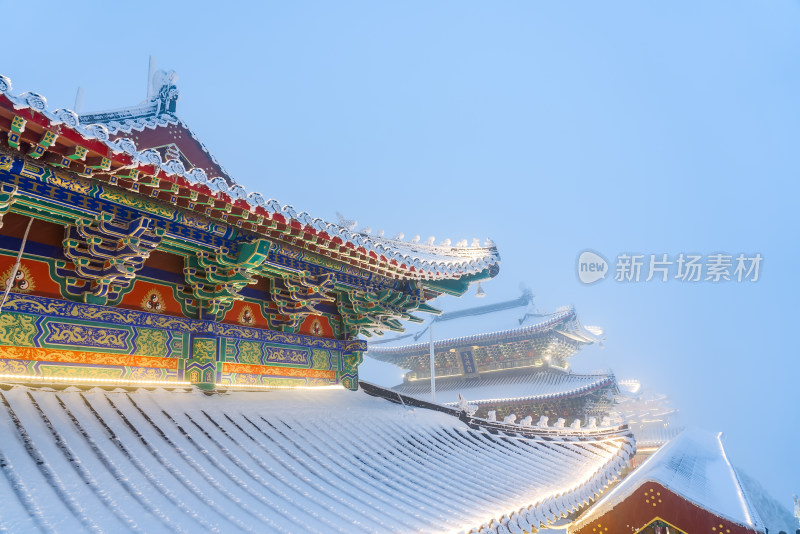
column 73, row 334
column 17, row 329
column 5, row 163
column 136, row 202
column 90, row 358
column 279, row 371
column 76, row 185
column 204, row 350
column 151, row 342
column 80, row 372
column 320, row 359
column 286, row 355
column 249, row 352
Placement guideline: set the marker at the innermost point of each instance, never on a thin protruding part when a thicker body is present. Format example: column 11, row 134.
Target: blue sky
column 551, row 127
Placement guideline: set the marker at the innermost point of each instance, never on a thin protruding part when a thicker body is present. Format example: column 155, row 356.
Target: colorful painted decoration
column 116, row 201
column 153, row 302
column 316, row 328
column 246, row 316
column 21, row 281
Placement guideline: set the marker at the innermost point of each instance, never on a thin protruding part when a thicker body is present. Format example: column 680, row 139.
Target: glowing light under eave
column 119, row 381
column 265, row 386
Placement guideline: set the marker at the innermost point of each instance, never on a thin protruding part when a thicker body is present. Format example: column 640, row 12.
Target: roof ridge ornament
column 165, row 91
column 349, row 224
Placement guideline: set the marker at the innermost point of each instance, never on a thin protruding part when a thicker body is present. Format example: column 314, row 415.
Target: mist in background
column 551, row 127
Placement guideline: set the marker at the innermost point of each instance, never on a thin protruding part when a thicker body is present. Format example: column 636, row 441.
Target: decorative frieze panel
column 97, row 336
column 36, row 305
column 64, row 333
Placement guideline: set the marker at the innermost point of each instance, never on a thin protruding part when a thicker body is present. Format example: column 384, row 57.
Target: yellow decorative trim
column 276, row 371
column 120, row 381
column 90, row 358
column 267, row 386
column 663, row 521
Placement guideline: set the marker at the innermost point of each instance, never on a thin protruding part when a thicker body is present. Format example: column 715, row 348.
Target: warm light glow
column 120, row 381
column 737, row 483
column 265, row 386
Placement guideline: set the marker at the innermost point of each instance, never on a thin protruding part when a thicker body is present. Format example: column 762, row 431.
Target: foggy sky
column 551, row 127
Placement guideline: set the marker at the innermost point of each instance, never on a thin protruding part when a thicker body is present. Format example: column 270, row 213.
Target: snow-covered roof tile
column 283, row 461
column 536, row 384
column 514, row 322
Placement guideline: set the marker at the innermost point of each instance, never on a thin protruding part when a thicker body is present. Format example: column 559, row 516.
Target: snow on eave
column 558, row 317
column 562, row 503
column 601, row 382
column 421, row 261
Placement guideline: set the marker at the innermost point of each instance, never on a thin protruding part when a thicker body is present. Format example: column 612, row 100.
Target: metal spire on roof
column 151, row 70
column 79, row 100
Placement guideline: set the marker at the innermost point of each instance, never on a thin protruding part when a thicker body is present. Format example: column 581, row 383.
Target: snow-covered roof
column 479, row 328
column 324, row 460
column 491, row 388
column 410, row 259
column 695, row 467
column 650, row 415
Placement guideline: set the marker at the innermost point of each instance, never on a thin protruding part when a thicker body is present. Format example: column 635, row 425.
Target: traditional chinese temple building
column 503, row 357
column 687, row 486
column 224, row 330
column 133, row 256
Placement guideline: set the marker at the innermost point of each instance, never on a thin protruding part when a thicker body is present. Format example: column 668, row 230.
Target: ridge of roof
column 599, row 382
column 417, row 261
column 158, row 111
column 523, row 300
column 471, row 389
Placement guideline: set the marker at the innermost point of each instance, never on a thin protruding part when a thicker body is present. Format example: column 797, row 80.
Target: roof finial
column 344, row 222
column 165, row 91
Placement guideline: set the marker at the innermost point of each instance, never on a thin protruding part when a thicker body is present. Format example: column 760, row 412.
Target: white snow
column 516, row 318
column 491, row 388
column 694, row 466
column 279, row 461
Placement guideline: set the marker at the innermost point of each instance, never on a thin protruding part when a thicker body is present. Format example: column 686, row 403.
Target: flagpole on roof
column 78, row 107
column 151, row 69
